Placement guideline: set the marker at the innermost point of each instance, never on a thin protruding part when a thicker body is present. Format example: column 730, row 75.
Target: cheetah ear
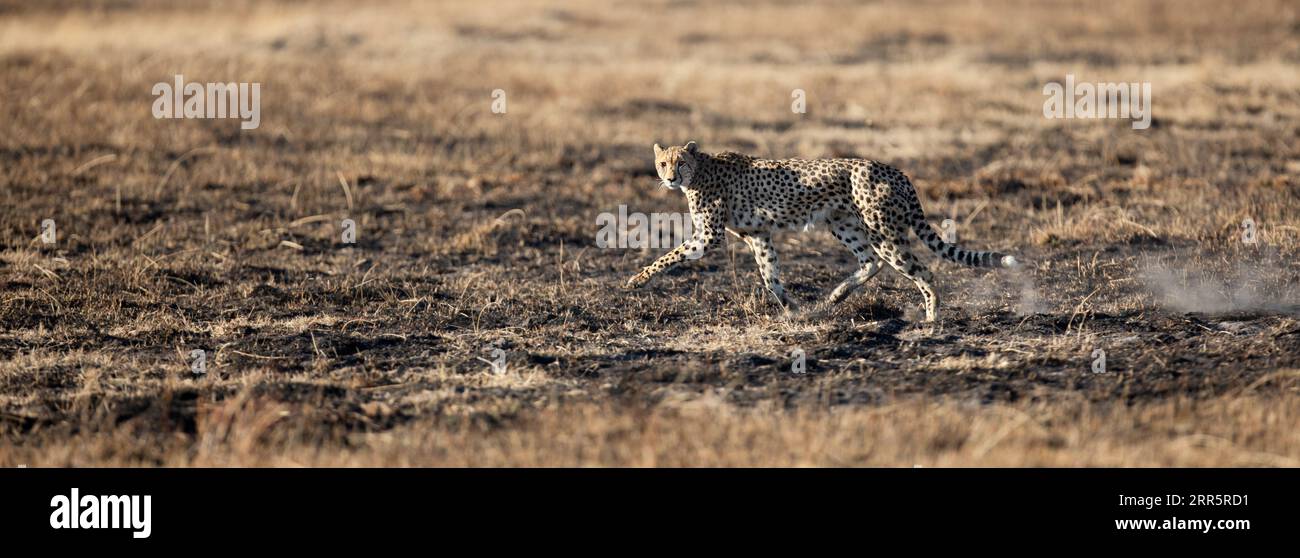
column 691, row 147
column 658, row 149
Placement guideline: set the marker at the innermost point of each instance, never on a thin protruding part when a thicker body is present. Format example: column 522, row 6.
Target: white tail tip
column 1010, row 262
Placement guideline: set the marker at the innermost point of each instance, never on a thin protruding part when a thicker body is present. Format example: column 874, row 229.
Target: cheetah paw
column 636, row 282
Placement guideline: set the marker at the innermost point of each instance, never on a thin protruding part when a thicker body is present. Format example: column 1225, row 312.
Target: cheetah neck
column 713, row 168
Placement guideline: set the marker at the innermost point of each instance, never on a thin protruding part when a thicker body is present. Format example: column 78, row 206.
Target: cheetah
column 869, row 207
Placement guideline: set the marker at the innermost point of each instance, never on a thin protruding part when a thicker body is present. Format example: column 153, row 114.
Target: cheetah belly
column 794, row 218
column 814, row 218
column 800, row 217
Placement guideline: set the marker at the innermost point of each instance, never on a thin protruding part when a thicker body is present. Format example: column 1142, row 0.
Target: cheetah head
column 676, row 165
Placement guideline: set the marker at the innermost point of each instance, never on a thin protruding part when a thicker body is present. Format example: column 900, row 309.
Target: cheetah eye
column 662, row 164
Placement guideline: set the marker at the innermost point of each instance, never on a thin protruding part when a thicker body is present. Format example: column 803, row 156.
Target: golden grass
column 1243, row 430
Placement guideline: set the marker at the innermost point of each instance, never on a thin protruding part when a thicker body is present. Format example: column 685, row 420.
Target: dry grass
column 176, row 235
column 1242, row 430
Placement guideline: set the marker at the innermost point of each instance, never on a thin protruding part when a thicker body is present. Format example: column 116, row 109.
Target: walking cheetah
column 869, row 206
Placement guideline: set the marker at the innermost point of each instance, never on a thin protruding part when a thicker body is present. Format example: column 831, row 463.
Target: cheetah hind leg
column 853, row 235
column 900, row 257
column 865, row 272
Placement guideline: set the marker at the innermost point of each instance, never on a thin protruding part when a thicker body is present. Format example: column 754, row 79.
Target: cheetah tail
column 954, row 253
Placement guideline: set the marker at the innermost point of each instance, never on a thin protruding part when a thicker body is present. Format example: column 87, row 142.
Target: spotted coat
column 869, row 207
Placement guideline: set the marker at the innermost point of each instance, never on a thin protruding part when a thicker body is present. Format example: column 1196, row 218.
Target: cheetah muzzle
column 869, row 207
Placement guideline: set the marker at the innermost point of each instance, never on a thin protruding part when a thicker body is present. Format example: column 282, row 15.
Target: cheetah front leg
column 765, row 257
column 692, row 249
